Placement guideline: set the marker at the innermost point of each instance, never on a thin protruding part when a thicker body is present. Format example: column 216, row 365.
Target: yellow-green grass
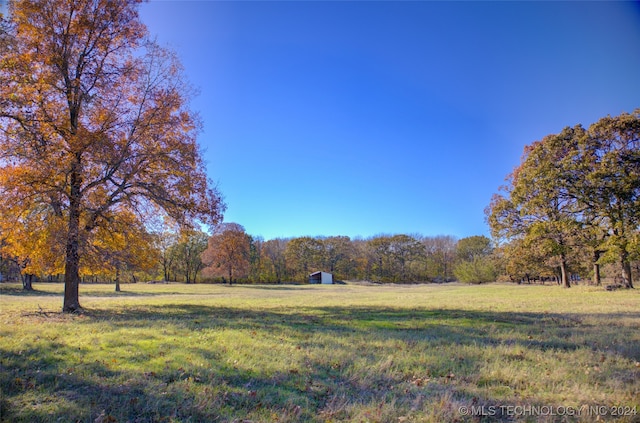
column 353, row 353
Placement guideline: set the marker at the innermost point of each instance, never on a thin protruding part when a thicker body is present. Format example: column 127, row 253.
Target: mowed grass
column 342, row 353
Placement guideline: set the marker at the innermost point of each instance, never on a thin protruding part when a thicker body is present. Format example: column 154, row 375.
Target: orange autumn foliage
column 94, row 126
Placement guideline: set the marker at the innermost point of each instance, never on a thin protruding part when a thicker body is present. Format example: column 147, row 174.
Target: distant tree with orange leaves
column 228, row 252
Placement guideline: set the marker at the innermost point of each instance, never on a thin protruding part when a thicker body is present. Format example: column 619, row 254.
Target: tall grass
column 352, row 353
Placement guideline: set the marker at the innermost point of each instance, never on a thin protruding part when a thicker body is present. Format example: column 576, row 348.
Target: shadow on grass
column 86, row 290
column 275, row 287
column 71, row 388
column 61, row 389
column 542, row 331
column 17, row 290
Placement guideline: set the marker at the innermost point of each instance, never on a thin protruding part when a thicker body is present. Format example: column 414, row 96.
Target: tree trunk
column 596, row 268
column 72, row 259
column 563, row 272
column 627, row 279
column 117, row 280
column 27, row 282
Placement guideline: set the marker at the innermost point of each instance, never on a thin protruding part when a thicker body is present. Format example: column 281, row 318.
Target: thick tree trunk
column 72, row 259
column 596, row 268
column 563, row 272
column 71, row 269
column 627, row 279
column 27, row 282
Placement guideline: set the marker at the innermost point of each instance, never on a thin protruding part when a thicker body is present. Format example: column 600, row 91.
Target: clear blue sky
column 360, row 118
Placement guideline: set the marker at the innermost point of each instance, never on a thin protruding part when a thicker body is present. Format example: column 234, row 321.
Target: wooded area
column 231, row 255
column 573, row 204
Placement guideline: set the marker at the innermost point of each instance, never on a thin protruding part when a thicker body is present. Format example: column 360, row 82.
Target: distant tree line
column 230, row 255
column 382, row 258
column 167, row 253
column 573, row 205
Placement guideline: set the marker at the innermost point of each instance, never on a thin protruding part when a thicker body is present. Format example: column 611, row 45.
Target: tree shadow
column 289, row 286
column 317, row 389
column 544, row 331
column 16, row 290
column 85, row 291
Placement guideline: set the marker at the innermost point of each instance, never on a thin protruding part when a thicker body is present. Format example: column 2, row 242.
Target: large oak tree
column 540, row 211
column 576, row 190
column 94, row 122
column 610, row 186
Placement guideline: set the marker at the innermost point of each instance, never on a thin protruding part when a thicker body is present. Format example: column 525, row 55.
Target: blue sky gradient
column 359, row 118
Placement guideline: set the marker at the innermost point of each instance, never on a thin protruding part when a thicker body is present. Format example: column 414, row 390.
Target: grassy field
column 342, row 353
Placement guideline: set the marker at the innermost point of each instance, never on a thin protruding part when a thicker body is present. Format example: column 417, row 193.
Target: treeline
column 230, row 255
column 573, row 205
column 233, row 256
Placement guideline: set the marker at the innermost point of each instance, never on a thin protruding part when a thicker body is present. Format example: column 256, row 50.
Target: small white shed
column 321, row 277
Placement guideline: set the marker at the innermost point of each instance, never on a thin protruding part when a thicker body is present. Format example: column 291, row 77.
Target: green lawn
column 340, row 353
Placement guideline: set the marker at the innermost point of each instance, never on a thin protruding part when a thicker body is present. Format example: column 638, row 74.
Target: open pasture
column 337, row 353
